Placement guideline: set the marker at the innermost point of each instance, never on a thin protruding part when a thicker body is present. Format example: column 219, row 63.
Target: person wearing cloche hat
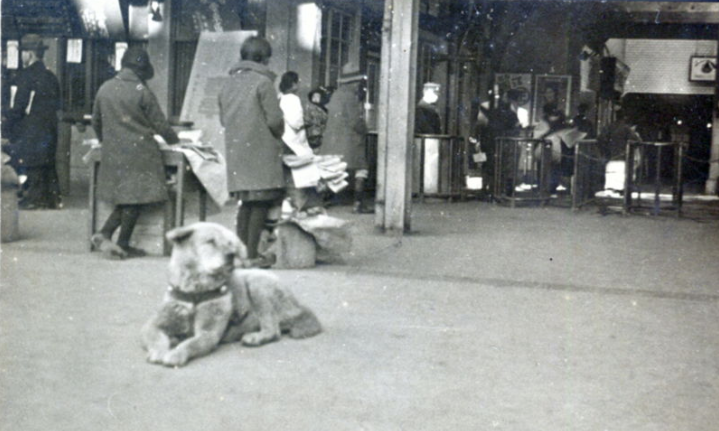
column 32, row 124
column 126, row 116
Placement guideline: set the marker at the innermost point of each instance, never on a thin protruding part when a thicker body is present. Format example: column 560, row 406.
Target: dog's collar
column 196, row 297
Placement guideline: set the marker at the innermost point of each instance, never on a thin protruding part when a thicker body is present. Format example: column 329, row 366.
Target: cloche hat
column 137, row 59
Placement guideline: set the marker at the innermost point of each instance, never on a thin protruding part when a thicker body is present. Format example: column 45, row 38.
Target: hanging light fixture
column 155, row 11
column 708, row 66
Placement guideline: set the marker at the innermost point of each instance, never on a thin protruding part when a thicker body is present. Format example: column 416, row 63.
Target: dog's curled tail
column 305, row 325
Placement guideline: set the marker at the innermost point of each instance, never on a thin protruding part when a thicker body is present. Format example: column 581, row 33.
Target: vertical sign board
column 216, row 54
column 13, row 54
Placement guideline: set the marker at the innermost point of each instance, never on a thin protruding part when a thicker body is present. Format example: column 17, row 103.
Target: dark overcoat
column 251, row 115
column 346, row 128
column 33, row 117
column 125, row 117
column 612, row 142
column 426, row 119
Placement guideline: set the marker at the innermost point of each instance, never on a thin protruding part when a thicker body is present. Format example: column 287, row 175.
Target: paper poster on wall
column 554, row 89
column 702, row 68
column 213, row 16
column 74, row 51
column 13, row 54
column 216, row 54
column 120, row 48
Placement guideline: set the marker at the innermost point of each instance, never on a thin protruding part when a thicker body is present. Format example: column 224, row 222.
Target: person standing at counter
column 253, row 121
column 126, row 116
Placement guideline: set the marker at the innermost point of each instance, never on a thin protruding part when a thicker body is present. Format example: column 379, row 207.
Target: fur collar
column 254, row 67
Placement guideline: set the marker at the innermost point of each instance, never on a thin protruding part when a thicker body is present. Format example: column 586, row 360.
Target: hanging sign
column 13, row 54
column 120, row 48
column 74, row 50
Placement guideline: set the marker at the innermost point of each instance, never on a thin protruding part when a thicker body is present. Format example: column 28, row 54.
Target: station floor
column 483, row 318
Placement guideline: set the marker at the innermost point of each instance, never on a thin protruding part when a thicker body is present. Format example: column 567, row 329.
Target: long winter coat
column 125, row 117
column 33, row 117
column 346, row 128
column 251, row 115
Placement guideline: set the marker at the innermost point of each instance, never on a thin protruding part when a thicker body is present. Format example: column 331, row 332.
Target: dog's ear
column 179, row 234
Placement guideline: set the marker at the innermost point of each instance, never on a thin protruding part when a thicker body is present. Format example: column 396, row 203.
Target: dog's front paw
column 155, row 356
column 255, row 339
column 175, row 358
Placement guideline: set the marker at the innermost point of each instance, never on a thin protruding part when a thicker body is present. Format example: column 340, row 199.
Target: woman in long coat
column 251, row 115
column 126, row 116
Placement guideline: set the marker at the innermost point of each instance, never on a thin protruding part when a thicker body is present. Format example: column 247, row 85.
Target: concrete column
column 711, row 185
column 395, row 123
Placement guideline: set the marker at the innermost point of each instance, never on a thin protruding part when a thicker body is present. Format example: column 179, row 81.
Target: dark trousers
column 251, row 221
column 125, row 217
column 42, row 187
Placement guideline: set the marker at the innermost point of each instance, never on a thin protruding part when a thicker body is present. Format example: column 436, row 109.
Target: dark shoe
column 133, row 252
column 360, row 208
column 108, row 248
column 263, row 262
column 29, row 206
column 96, row 240
column 316, row 211
column 56, row 204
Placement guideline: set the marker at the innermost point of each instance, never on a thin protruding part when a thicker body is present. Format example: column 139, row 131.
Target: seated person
column 553, row 121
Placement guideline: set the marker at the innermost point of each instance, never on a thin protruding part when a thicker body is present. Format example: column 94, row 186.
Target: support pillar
column 711, row 184
column 710, row 187
column 395, row 125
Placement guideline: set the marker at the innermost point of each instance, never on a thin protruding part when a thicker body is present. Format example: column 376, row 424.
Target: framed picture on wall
column 702, row 68
column 555, row 89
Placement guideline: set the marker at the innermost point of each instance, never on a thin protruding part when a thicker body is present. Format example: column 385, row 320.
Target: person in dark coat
column 495, row 122
column 32, row 118
column 315, row 116
column 126, row 116
column 426, row 117
column 345, row 134
column 582, row 122
column 253, row 121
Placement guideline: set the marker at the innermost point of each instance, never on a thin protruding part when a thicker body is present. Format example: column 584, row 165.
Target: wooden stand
column 175, row 209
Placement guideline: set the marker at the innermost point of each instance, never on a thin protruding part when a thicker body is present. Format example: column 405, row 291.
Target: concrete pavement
column 485, row 318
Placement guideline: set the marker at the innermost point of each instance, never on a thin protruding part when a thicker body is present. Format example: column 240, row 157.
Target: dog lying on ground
column 211, row 299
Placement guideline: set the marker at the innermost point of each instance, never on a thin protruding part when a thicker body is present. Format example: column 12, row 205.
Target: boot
column 360, row 206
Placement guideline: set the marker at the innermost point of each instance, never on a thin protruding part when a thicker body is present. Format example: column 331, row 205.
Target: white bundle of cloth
column 318, row 171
